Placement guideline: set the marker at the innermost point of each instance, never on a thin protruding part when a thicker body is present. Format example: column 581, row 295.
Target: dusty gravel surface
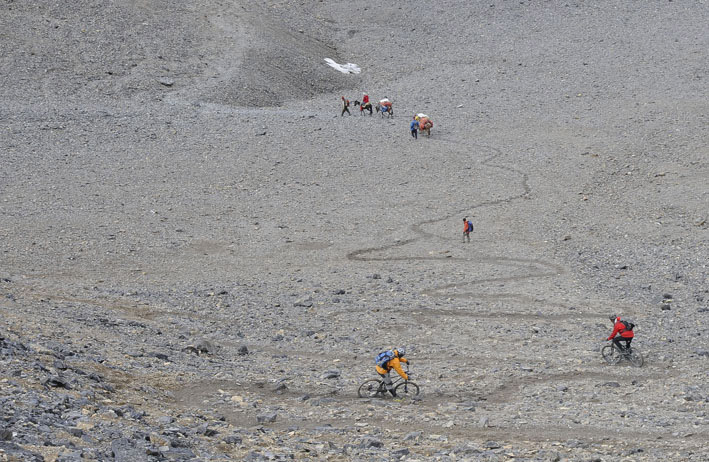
column 199, row 258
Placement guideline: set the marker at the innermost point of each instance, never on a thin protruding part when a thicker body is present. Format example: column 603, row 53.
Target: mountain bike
column 613, row 355
column 374, row 388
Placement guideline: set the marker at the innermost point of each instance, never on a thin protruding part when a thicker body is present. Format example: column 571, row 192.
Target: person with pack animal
column 467, row 229
column 622, row 332
column 345, row 106
column 414, row 127
column 388, row 360
column 366, row 105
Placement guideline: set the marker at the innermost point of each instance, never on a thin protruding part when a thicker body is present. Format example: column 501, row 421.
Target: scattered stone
column 370, row 442
column 77, row 432
column 158, row 440
column 162, row 356
column 56, row 382
column 665, row 307
column 611, row 384
column 168, row 82
column 331, row 374
column 412, row 436
column 576, row 444
column 304, row 302
column 124, row 451
column 205, row 346
column 267, row 418
column 233, row 439
column 492, row 445
column 5, row 435
column 399, row 453
column 280, row 387
column 484, row 422
column 243, row 350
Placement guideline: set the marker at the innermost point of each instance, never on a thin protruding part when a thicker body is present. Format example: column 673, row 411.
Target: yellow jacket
column 394, row 363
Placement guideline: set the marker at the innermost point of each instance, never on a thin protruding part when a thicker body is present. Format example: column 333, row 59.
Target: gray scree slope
column 199, row 258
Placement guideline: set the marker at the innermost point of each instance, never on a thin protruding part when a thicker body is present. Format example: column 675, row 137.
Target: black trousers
column 627, row 341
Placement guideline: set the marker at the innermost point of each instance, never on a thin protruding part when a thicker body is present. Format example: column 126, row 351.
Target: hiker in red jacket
column 626, row 334
column 467, row 229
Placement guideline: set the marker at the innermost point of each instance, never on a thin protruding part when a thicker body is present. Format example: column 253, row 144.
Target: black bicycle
column 613, row 355
column 374, row 388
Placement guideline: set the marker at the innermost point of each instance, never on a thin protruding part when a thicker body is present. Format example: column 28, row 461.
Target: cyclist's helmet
column 613, row 317
column 402, row 352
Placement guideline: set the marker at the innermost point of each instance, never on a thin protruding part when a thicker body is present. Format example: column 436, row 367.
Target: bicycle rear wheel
column 635, row 358
column 407, row 390
column 611, row 354
column 369, row 389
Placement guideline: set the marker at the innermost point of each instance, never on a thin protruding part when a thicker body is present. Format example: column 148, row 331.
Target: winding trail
column 535, row 268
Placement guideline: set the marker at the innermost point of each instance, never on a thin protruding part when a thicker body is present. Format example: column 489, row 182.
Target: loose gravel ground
column 200, row 258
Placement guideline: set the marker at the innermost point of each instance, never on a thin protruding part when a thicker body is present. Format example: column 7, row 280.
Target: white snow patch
column 348, row 68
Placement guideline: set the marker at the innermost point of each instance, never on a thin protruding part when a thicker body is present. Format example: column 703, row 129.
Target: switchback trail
column 532, row 268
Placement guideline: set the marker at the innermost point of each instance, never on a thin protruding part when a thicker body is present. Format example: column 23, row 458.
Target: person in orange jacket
column 393, row 363
column 467, row 229
column 626, row 335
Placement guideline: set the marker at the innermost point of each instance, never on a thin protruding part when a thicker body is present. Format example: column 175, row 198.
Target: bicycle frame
column 399, row 379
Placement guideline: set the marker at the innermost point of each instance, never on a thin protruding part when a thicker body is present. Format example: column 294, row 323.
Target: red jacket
column 466, row 227
column 619, row 327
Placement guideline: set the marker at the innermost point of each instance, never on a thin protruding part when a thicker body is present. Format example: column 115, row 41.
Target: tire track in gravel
column 536, row 268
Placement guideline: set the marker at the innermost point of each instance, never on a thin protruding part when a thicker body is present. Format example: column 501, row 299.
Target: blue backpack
column 383, row 358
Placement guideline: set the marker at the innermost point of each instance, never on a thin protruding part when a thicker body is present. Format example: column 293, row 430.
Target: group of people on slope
column 420, row 122
column 384, row 105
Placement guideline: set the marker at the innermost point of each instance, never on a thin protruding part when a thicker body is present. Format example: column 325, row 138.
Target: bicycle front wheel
column 636, row 359
column 407, row 390
column 369, row 389
column 611, row 354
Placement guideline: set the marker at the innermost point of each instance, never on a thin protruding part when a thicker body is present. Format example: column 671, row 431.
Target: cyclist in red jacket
column 623, row 333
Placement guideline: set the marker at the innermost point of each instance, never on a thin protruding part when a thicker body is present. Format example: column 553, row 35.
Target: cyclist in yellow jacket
column 393, row 363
